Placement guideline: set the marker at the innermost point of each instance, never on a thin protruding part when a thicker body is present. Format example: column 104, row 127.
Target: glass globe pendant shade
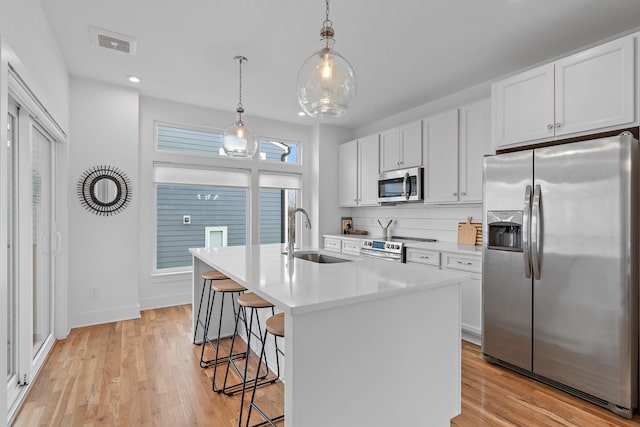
column 326, row 83
column 239, row 140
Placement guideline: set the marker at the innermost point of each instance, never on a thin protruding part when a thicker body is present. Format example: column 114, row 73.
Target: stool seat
column 275, row 325
column 227, row 285
column 253, row 301
column 214, row 275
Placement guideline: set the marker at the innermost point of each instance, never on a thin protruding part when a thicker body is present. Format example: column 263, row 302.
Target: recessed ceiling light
column 301, row 113
column 134, row 79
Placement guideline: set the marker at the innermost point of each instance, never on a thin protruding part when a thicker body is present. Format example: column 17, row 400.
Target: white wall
column 103, row 250
column 173, row 289
column 322, row 169
column 418, row 220
column 36, row 55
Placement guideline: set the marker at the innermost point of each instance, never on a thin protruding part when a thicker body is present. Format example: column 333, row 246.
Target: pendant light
column 326, row 80
column 239, row 140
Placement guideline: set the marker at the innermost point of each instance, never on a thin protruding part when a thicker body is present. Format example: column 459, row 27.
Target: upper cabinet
column 455, row 144
column 359, row 172
column 474, row 143
column 589, row 91
column 441, row 158
column 401, row 147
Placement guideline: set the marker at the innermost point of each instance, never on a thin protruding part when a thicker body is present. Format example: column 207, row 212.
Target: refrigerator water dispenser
column 505, row 230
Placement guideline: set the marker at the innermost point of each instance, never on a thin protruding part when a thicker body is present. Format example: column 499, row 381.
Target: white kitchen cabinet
column 359, row 162
column 471, row 289
column 401, row 147
column 349, row 174
column 474, row 144
column 333, row 244
column 441, row 158
column 589, row 91
column 351, row 246
column 424, row 257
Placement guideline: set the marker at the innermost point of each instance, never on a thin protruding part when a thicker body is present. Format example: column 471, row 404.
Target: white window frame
column 215, row 164
column 207, row 235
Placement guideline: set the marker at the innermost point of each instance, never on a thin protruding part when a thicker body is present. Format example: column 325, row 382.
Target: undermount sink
column 319, row 258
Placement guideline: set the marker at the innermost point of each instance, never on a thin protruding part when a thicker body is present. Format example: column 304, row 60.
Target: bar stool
column 252, row 302
column 275, row 326
column 210, row 276
column 224, row 287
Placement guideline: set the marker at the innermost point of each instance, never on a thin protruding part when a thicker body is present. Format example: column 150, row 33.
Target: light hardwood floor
column 145, row 372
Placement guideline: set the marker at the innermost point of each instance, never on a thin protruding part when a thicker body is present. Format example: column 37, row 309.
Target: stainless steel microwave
column 404, row 185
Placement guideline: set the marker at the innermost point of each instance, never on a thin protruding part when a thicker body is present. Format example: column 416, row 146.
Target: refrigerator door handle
column 525, row 232
column 535, row 232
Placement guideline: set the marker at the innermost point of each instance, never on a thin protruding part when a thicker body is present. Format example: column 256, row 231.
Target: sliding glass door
column 31, row 242
column 12, row 322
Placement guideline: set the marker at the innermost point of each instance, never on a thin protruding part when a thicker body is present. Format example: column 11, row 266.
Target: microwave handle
column 406, row 182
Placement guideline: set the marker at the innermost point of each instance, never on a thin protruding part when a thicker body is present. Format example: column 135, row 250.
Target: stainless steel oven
column 393, row 250
column 404, row 185
column 383, row 250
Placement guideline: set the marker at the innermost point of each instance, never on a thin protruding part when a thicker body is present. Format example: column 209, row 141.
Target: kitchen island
column 367, row 342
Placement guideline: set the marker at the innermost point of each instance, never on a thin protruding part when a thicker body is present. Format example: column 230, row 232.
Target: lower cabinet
column 333, row 244
column 471, row 288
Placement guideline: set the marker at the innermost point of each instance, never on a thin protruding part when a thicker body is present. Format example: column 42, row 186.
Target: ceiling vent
column 113, row 41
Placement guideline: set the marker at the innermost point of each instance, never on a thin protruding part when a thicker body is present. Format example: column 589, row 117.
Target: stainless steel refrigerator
column 560, row 267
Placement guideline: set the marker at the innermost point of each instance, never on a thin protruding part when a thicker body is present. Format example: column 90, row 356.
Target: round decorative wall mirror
column 104, row 190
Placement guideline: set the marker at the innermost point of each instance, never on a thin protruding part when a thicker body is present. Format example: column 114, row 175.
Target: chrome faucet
column 292, row 214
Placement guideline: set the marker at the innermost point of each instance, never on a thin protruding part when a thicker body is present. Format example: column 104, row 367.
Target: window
column 209, row 142
column 278, row 196
column 204, row 200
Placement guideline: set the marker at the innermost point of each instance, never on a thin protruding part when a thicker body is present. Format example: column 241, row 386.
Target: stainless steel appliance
column 404, row 185
column 388, row 250
column 560, row 267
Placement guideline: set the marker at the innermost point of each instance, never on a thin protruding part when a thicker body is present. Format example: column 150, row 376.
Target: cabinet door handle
column 455, row 194
column 558, row 125
column 464, row 263
column 549, row 126
column 463, row 194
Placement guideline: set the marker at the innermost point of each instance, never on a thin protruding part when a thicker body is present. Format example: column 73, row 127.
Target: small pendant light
column 326, row 80
column 239, row 140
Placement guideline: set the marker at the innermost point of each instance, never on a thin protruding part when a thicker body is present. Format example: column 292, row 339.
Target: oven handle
column 376, row 255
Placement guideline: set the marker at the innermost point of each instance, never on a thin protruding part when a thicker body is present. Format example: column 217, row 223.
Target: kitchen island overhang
column 367, row 342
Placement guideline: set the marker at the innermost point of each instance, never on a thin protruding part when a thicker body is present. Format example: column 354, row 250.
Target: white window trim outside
column 208, row 231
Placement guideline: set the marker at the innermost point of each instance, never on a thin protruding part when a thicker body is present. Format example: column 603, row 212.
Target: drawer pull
column 464, row 263
column 424, row 257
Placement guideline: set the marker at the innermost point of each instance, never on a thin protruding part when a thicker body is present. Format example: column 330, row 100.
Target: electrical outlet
column 186, row 219
column 93, row 292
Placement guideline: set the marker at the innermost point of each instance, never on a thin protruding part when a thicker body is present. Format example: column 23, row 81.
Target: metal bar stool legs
column 206, row 276
column 223, row 287
column 275, row 326
column 252, row 302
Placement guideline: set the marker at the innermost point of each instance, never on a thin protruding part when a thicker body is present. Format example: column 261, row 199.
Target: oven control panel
column 383, row 246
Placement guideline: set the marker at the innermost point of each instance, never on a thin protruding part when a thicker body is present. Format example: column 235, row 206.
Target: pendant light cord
column 240, row 108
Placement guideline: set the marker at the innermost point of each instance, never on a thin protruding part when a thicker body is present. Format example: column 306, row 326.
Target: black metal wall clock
column 104, row 190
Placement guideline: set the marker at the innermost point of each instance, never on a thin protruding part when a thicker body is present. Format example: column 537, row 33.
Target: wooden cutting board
column 468, row 232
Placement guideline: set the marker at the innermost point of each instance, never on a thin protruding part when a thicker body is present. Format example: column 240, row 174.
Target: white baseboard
column 89, row 318
column 165, row 301
column 472, row 337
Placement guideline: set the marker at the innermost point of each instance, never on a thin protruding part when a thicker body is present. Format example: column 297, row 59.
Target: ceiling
column 405, row 52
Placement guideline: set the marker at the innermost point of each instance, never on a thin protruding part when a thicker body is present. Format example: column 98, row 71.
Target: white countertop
column 437, row 246
column 309, row 286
